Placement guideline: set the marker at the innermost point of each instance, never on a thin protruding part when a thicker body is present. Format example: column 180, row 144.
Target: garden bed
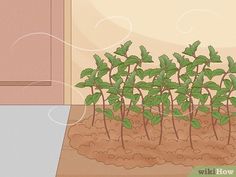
column 138, row 123
column 92, row 142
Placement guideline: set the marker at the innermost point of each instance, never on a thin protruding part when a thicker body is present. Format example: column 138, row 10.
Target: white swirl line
column 189, row 12
column 53, row 108
column 81, row 48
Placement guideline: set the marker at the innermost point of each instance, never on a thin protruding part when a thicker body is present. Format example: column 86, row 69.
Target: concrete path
column 31, row 139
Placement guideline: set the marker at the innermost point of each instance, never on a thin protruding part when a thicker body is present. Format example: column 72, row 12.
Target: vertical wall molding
column 68, row 52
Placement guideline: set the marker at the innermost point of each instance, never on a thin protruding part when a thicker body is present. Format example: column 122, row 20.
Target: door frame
column 68, row 52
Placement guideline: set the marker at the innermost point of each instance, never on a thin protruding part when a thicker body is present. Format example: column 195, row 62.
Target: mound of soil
column 93, row 143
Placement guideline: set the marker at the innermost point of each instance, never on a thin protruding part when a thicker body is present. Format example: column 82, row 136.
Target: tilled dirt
column 93, row 143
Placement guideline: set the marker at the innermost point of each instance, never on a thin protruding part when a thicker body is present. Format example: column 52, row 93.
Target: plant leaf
column 177, row 113
column 116, row 77
column 127, row 123
column 135, row 108
column 216, row 115
column 118, row 83
column 148, row 115
column 113, row 60
column 164, row 61
column 218, row 72
column 224, row 120
column 181, row 98
column 143, row 85
column 146, row 58
column 190, row 70
column 152, row 100
column 203, row 108
column 117, row 106
column 184, row 77
column 170, row 72
column 86, row 72
column 227, row 84
column 153, row 91
column 195, row 123
column 172, row 85
column 108, row 113
column 181, row 60
column 98, row 110
column 131, row 79
column 80, row 85
column 192, row 48
column 104, row 85
column 88, row 100
column 201, row 59
column 233, row 114
column 165, row 99
column 96, row 97
column 221, row 92
column 233, row 79
column 217, row 104
column 203, row 98
column 220, row 99
column 103, row 72
column 89, row 83
column 123, row 49
column 98, row 60
column 212, row 85
column 182, row 90
column 199, row 81
column 185, row 106
column 113, row 90
column 140, row 73
column 214, row 57
column 152, row 72
column 156, row 120
column 122, row 69
column 208, row 73
column 231, row 64
column 131, row 60
column 117, row 118
column 233, row 100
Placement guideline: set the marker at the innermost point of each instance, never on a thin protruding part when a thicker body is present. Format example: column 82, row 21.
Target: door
column 31, row 56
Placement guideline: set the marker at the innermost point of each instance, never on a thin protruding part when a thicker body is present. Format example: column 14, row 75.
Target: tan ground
column 169, row 153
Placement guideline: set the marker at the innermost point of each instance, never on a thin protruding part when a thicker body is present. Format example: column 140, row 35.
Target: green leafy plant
column 178, row 89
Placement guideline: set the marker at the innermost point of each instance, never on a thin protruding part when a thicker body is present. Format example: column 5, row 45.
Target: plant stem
column 195, row 77
column 127, row 74
column 127, row 113
column 172, row 114
column 110, row 76
column 161, row 110
column 124, row 108
column 212, row 119
column 228, row 113
column 153, row 82
column 204, row 67
column 93, row 107
column 194, row 80
column 161, row 123
column 178, row 76
column 144, row 124
column 191, row 118
column 122, row 113
column 221, row 82
column 104, row 107
column 222, row 79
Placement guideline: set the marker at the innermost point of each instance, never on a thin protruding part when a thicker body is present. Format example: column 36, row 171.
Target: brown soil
column 93, row 143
